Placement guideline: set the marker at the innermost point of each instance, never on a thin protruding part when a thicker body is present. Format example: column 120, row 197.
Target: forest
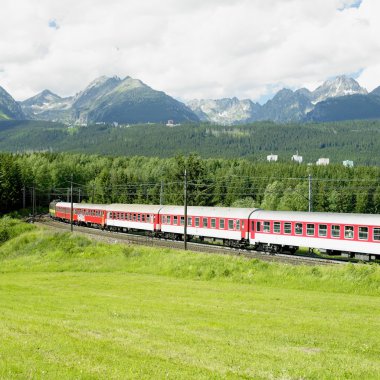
column 358, row 141
column 211, row 182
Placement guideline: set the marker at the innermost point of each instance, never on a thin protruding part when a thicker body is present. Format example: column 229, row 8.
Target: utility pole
column 23, row 197
column 31, row 197
column 185, row 204
column 310, row 195
column 71, row 208
column 93, row 193
column 78, row 195
column 162, row 193
column 33, row 200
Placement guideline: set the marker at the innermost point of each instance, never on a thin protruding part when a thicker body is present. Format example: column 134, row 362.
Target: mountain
column 286, row 106
column 129, row 100
column 109, row 99
column 376, row 91
column 339, row 86
column 351, row 107
column 47, row 106
column 225, row 111
column 9, row 108
column 44, row 97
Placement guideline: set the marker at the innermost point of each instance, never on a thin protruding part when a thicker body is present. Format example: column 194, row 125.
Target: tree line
column 211, row 182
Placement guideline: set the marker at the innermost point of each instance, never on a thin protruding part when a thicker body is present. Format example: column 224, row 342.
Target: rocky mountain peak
column 339, row 86
column 44, row 97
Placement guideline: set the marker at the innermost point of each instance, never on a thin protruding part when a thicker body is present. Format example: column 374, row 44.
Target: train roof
column 89, row 206
column 138, row 208
column 217, row 212
column 318, row 217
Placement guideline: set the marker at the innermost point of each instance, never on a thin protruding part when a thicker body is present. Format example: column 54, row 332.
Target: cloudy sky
column 188, row 48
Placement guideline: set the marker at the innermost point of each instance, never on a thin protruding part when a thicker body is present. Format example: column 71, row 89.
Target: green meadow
column 72, row 308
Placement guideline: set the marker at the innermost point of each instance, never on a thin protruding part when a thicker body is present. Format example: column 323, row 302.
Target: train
column 349, row 235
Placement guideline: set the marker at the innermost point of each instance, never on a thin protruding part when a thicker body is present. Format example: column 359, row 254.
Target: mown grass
column 74, row 308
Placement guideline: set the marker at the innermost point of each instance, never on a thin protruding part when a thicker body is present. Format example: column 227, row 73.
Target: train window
column 299, row 228
column 310, row 229
column 322, row 230
column 138, row 217
column 163, row 219
column 242, row 224
column 363, row 233
column 189, row 221
column 348, row 232
column 376, row 234
column 143, row 217
column 276, row 227
column 213, row 223
column 196, row 222
column 175, row 220
column 182, row 220
column 238, row 224
column 335, row 231
column 169, row 219
column 205, row 222
column 258, row 226
column 134, row 217
column 221, row 224
column 230, row 224
column 287, row 228
column 266, row 227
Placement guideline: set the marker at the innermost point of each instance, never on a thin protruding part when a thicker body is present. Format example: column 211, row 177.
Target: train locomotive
column 350, row 235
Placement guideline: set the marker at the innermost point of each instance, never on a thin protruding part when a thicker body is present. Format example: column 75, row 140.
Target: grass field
column 72, row 308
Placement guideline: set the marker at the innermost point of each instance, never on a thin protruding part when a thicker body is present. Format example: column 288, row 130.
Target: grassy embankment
column 72, row 308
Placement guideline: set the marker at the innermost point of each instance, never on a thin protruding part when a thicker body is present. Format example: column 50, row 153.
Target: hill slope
column 358, row 141
column 72, row 308
column 351, row 107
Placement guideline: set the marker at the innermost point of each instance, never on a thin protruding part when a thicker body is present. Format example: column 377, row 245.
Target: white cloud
column 189, row 48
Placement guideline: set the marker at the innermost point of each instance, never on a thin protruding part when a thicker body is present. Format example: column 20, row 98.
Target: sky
column 188, row 48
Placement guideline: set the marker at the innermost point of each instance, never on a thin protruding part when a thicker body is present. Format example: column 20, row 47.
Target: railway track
column 118, row 237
